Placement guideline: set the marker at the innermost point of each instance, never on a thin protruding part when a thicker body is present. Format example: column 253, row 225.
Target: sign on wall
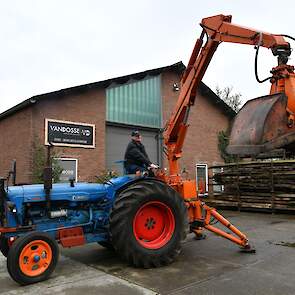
column 69, row 169
column 66, row 133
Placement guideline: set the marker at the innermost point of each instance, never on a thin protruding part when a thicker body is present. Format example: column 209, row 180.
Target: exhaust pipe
column 2, row 202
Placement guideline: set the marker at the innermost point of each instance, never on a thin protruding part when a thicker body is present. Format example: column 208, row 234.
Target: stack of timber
column 261, row 185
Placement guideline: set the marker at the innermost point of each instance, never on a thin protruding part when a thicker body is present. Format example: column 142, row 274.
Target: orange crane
column 219, row 29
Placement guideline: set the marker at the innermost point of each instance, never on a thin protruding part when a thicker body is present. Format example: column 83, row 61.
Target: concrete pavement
column 212, row 266
column 72, row 278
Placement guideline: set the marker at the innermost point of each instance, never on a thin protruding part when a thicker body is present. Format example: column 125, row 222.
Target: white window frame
column 215, row 184
column 202, row 165
column 71, row 159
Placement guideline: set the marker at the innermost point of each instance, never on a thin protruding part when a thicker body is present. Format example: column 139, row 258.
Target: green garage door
column 135, row 103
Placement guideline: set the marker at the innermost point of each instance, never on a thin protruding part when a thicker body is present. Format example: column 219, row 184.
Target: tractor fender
column 136, row 180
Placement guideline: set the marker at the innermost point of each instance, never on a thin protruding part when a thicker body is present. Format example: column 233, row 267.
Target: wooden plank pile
column 263, row 185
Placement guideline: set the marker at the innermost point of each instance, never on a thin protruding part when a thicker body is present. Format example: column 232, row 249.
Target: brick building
column 113, row 107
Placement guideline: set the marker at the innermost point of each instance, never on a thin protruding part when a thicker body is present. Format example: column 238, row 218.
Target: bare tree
column 232, row 99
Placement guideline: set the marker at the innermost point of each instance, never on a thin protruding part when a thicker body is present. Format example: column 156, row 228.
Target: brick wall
column 19, row 130
column 16, row 143
column 87, row 107
column 206, row 120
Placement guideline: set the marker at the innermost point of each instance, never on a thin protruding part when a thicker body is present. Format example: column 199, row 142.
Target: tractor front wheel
column 4, row 247
column 148, row 223
column 32, row 258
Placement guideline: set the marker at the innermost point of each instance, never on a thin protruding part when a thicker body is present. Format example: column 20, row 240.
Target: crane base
column 248, row 249
column 200, row 237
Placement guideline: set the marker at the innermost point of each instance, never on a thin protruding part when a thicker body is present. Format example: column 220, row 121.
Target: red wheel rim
column 153, row 225
column 35, row 258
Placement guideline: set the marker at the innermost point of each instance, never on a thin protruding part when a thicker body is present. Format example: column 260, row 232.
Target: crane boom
column 217, row 29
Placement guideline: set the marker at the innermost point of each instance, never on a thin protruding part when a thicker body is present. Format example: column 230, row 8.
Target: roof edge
column 178, row 67
column 228, row 110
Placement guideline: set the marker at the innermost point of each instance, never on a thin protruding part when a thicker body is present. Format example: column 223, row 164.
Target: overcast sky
column 48, row 45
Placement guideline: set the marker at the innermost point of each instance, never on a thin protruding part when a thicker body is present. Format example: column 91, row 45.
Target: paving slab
column 72, row 277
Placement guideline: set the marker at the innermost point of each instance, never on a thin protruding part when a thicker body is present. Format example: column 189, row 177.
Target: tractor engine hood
column 89, row 192
column 60, row 191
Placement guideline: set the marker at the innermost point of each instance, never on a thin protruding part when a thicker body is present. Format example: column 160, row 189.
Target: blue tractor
column 140, row 217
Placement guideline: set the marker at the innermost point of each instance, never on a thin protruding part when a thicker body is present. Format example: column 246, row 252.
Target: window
column 217, row 188
column 70, row 169
column 202, row 178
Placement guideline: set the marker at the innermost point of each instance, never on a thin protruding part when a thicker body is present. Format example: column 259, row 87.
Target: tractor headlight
column 11, row 207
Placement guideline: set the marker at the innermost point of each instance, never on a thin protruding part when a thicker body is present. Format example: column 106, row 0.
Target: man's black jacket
column 136, row 154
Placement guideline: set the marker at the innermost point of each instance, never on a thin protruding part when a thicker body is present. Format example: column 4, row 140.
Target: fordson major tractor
column 144, row 218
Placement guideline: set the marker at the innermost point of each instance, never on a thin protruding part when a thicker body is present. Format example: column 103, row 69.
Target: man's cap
column 135, row 133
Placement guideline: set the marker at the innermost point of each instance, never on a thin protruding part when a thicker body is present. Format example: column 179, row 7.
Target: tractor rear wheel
column 107, row 245
column 148, row 222
column 32, row 258
column 4, row 247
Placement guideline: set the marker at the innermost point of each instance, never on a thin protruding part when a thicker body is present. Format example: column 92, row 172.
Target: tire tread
column 120, row 220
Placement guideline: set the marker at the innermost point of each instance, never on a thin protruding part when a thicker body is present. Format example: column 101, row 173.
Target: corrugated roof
column 178, row 67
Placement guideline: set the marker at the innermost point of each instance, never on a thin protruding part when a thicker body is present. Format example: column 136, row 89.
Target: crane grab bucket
column 261, row 126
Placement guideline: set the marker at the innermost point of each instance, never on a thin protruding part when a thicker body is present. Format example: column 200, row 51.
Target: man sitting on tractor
column 136, row 158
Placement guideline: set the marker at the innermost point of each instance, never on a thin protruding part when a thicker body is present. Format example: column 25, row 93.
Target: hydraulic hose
column 256, row 55
column 287, row 36
column 256, row 61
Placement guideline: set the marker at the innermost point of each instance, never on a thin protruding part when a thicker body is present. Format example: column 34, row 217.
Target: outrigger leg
column 203, row 216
